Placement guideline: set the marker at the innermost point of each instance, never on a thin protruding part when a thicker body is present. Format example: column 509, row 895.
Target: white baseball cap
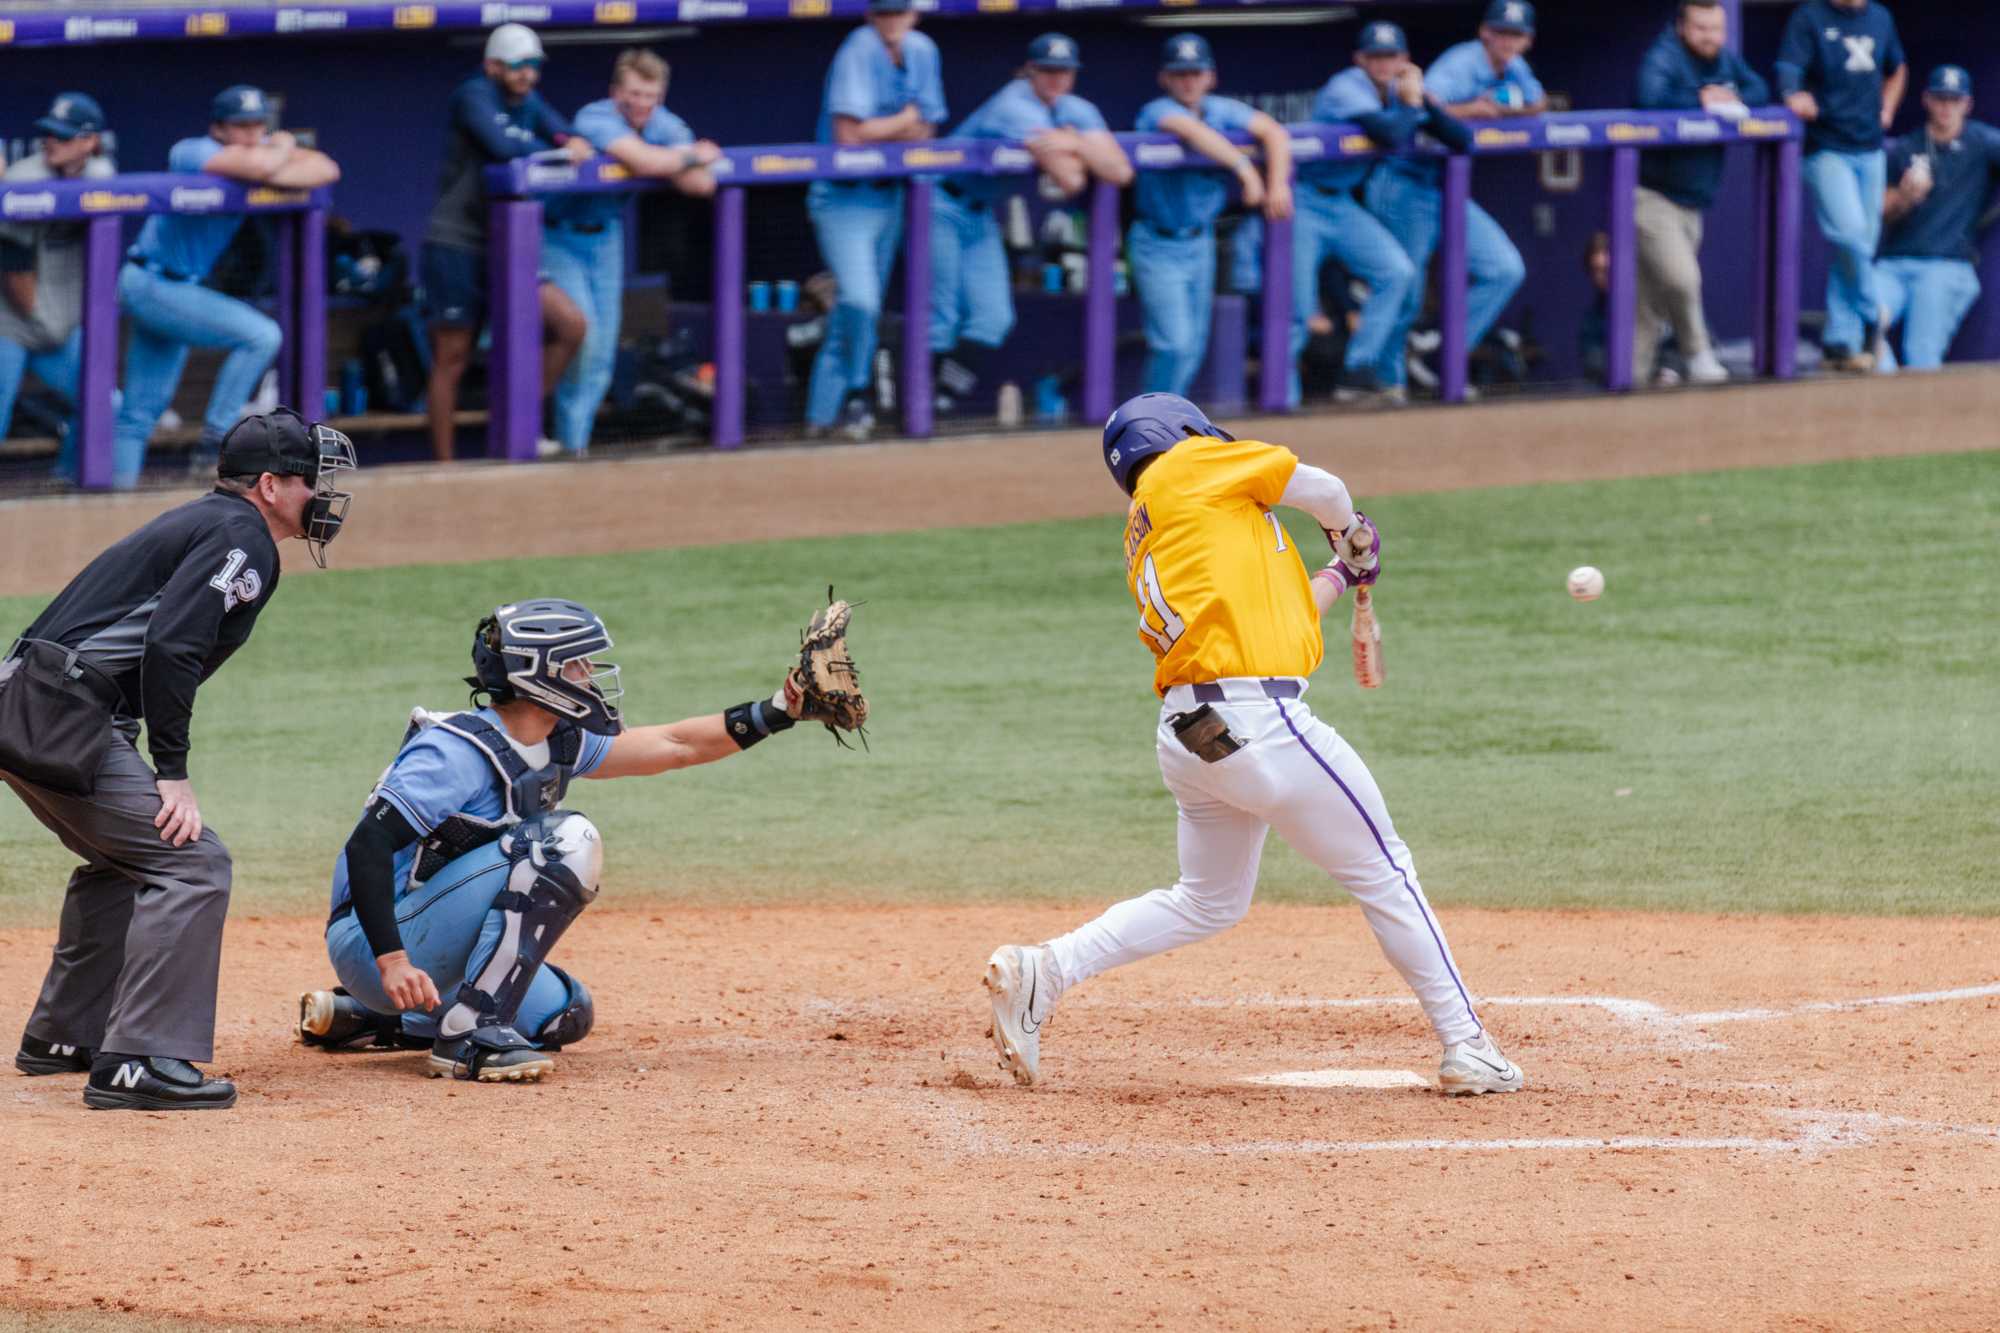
column 512, row 43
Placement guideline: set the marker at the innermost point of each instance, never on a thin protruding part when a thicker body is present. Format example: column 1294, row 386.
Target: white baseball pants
column 1294, row 773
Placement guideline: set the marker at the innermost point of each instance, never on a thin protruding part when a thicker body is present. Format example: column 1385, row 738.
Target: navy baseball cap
column 1186, row 51
column 891, row 6
column 1383, row 39
column 1052, row 50
column 1950, row 81
column 1511, row 16
column 240, row 104
column 72, row 114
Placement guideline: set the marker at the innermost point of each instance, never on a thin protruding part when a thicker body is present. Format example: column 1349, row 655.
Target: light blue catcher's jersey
column 603, row 124
column 1178, row 200
column 438, row 774
column 865, row 81
column 188, row 245
column 1016, row 113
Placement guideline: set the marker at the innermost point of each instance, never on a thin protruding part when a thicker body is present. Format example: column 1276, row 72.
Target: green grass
column 1788, row 700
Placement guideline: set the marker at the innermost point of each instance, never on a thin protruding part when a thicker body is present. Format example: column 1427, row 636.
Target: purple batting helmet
column 1151, row 424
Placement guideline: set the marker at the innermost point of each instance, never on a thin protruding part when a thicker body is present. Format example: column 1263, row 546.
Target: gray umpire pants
column 140, row 944
column 1669, row 285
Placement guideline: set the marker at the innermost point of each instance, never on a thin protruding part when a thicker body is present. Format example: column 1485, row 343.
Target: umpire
column 130, row 993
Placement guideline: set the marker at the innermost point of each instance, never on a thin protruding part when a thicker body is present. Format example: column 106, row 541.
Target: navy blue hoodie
column 1840, row 56
column 1671, row 79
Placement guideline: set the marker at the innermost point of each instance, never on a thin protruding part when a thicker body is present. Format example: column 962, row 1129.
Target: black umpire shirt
column 160, row 610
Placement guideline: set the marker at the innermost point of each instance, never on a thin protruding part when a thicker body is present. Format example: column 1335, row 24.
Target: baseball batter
column 464, row 870
column 1232, row 619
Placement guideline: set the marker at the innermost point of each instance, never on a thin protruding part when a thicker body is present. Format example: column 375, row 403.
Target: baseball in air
column 1586, row 583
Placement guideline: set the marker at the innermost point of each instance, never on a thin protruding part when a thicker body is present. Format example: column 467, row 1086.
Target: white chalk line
column 1339, row 1078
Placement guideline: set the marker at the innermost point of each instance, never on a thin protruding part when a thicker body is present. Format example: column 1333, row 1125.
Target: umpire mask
column 327, row 509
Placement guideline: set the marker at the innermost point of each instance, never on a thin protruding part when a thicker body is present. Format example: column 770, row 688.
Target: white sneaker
column 1476, row 1066
column 1705, row 369
column 1024, row 985
column 548, row 448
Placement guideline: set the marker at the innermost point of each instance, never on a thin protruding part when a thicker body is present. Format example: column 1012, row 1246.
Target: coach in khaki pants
column 1688, row 69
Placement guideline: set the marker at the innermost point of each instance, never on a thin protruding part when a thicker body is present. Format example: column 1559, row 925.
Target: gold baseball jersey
column 1220, row 590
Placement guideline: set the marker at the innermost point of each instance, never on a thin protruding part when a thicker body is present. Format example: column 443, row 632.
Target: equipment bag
column 55, row 717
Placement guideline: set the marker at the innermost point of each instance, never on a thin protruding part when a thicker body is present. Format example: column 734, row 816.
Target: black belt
column 958, row 192
column 1175, row 233
column 876, row 183
column 583, row 228
column 1209, row 692
column 155, row 266
column 1337, row 191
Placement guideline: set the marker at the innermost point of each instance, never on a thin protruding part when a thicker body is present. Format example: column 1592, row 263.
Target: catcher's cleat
column 333, row 1020
column 494, row 1054
column 1023, row 982
column 37, row 1057
column 1472, row 1067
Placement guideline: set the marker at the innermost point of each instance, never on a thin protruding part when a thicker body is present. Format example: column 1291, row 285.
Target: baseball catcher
column 466, row 867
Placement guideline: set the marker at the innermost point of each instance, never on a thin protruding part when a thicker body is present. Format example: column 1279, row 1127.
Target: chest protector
column 527, row 792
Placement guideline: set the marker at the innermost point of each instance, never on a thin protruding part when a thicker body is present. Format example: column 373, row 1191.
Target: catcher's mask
column 543, row 651
column 1151, row 424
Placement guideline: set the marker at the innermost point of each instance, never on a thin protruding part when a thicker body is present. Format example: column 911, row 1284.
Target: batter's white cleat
column 1023, row 981
column 1476, row 1066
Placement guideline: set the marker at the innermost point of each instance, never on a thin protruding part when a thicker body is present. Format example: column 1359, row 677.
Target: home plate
column 1340, row 1078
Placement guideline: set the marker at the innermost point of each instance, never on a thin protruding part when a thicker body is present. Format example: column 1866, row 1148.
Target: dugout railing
column 103, row 206
column 516, row 189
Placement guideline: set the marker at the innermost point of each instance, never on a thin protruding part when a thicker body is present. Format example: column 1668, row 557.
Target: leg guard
column 556, row 859
column 573, row 1022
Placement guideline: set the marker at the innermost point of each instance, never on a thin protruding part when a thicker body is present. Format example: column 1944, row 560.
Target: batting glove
column 1359, row 550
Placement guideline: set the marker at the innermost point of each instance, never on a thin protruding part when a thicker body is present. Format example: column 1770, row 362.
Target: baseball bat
column 1367, row 641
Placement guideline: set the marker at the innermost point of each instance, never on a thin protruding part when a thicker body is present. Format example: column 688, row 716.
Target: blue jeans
column 450, row 930
column 1175, row 276
column 1929, row 298
column 1413, row 211
column 589, row 268
column 859, row 227
column 169, row 317
column 1335, row 226
column 972, row 298
column 1846, row 190
column 60, row 368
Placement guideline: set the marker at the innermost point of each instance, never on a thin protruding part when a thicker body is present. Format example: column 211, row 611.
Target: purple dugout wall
column 375, row 104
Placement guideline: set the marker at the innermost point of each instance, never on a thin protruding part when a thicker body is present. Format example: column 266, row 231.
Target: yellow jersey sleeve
column 1217, row 469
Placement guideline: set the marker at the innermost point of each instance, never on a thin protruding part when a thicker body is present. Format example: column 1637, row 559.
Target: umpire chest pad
column 528, row 792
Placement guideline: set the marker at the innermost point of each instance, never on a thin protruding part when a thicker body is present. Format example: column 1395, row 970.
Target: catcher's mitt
column 825, row 682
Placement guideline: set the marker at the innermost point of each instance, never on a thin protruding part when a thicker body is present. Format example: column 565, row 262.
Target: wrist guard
column 752, row 722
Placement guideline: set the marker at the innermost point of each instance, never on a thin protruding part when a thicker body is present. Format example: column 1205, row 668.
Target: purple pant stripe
column 1359, row 809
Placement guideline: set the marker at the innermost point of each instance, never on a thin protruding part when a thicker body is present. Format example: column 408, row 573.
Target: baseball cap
column 1052, row 50
column 240, row 104
column 1950, row 81
column 277, row 441
column 1185, row 51
column 514, row 44
column 890, row 6
column 1511, row 16
column 1382, row 39
column 72, row 114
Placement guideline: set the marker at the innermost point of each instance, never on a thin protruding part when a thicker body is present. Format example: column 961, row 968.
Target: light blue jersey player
column 1485, row 79
column 583, row 235
column 1171, row 243
column 465, row 869
column 885, row 85
column 160, row 287
column 1383, row 93
column 972, row 304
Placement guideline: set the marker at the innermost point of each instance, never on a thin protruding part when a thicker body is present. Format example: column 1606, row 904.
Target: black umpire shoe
column 154, row 1083
column 333, row 1020
column 51, row 1057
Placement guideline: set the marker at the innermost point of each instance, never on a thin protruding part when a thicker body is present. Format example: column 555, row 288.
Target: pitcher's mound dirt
column 792, row 1118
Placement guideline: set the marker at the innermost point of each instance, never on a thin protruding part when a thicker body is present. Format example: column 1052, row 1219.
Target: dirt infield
column 699, row 498
column 791, row 1118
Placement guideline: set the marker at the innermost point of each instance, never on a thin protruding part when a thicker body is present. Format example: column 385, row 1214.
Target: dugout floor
column 791, row 1118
